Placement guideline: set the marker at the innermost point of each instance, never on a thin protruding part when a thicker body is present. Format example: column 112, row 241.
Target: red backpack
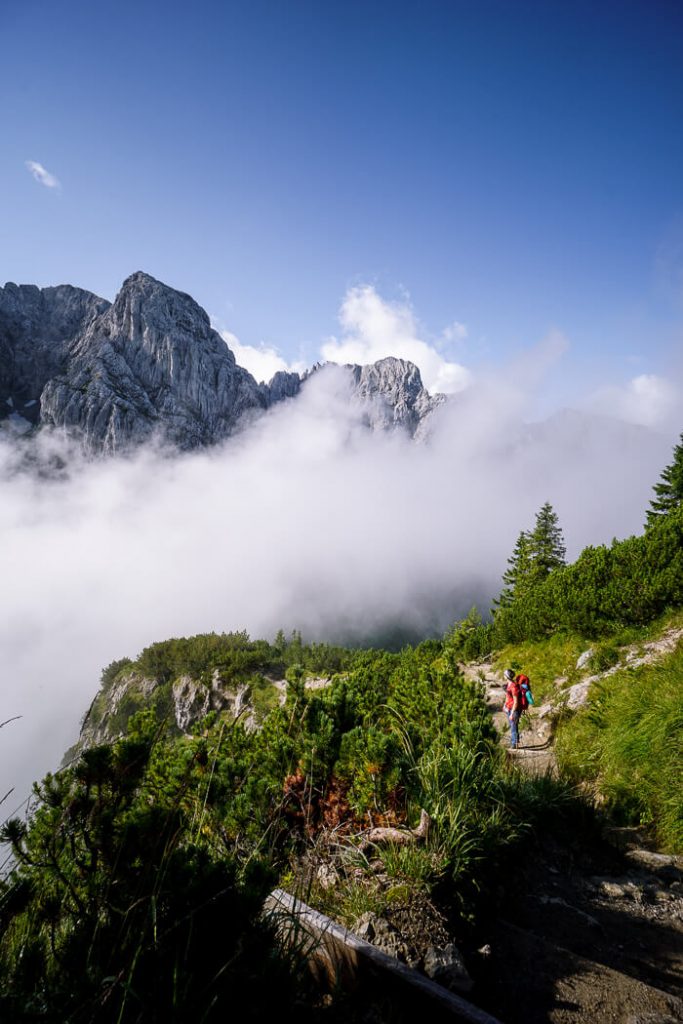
column 525, row 697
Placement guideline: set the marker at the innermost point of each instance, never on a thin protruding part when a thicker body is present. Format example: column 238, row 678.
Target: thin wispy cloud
column 648, row 400
column 455, row 332
column 42, row 175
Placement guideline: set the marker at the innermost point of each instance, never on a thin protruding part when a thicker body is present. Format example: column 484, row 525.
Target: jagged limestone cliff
column 151, row 366
column 37, row 328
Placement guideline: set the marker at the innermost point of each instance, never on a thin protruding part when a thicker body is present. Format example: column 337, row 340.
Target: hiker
column 518, row 698
column 513, row 705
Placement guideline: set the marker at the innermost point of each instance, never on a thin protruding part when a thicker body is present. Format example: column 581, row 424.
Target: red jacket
column 513, row 690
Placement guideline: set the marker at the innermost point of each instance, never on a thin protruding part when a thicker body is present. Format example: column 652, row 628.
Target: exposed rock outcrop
column 181, row 703
column 37, row 327
column 392, row 394
column 283, row 385
column 151, row 366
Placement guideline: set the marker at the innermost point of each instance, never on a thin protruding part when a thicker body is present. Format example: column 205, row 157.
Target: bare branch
column 8, row 720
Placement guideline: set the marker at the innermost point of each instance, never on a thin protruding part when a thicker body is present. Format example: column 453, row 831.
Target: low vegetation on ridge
column 626, row 745
column 137, row 842
column 145, row 849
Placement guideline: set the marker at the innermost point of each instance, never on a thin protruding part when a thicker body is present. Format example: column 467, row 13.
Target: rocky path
column 593, row 927
column 535, row 752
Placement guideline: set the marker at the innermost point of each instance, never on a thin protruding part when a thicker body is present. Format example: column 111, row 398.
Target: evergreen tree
column 547, row 549
column 535, row 555
column 669, row 490
column 518, row 569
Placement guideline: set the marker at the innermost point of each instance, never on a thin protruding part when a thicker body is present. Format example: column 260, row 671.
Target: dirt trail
column 535, row 752
column 593, row 927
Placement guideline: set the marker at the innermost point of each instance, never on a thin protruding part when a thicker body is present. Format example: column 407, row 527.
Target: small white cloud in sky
column 42, row 175
column 454, row 332
column 262, row 361
column 374, row 329
column 648, row 400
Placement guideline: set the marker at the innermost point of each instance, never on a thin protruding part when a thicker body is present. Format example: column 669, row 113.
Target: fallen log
column 338, row 958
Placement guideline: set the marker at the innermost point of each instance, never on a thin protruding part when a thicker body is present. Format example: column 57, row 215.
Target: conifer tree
column 669, row 490
column 535, row 555
column 518, row 568
column 547, row 549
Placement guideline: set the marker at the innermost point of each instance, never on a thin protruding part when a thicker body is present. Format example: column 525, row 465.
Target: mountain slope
column 150, row 365
column 37, row 327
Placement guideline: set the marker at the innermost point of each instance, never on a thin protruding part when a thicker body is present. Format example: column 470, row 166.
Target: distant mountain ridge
column 114, row 375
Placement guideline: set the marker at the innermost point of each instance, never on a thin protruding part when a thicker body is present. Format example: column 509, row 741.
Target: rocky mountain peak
column 144, row 300
column 37, row 327
column 150, row 365
column 395, row 396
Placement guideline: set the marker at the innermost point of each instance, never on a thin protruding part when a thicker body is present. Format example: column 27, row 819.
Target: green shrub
column 628, row 744
column 114, row 669
column 112, row 911
column 628, row 584
column 264, row 696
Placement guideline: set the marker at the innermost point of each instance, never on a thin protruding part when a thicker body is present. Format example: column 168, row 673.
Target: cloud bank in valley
column 304, row 521
column 373, row 328
column 647, row 399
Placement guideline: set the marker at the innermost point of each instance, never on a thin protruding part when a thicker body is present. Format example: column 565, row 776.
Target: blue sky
column 515, row 167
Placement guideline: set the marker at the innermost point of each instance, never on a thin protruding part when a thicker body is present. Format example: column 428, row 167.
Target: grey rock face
column 669, row 867
column 584, row 659
column 182, row 703
column 393, row 395
column 378, row 932
column 151, row 364
column 106, row 718
column 37, row 327
column 283, row 385
column 192, row 700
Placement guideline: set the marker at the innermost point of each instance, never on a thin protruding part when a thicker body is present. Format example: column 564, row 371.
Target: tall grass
column 460, row 787
column 544, row 661
column 629, row 744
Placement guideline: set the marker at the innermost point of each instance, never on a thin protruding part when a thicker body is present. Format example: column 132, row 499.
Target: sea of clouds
column 307, row 520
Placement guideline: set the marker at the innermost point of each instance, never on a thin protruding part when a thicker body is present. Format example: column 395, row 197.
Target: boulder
column 446, row 966
column 665, row 866
column 584, row 658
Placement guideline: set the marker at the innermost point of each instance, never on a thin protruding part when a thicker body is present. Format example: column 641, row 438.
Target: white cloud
column 454, row 332
column 42, row 175
column 306, row 521
column 374, row 329
column 648, row 400
column 262, row 362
